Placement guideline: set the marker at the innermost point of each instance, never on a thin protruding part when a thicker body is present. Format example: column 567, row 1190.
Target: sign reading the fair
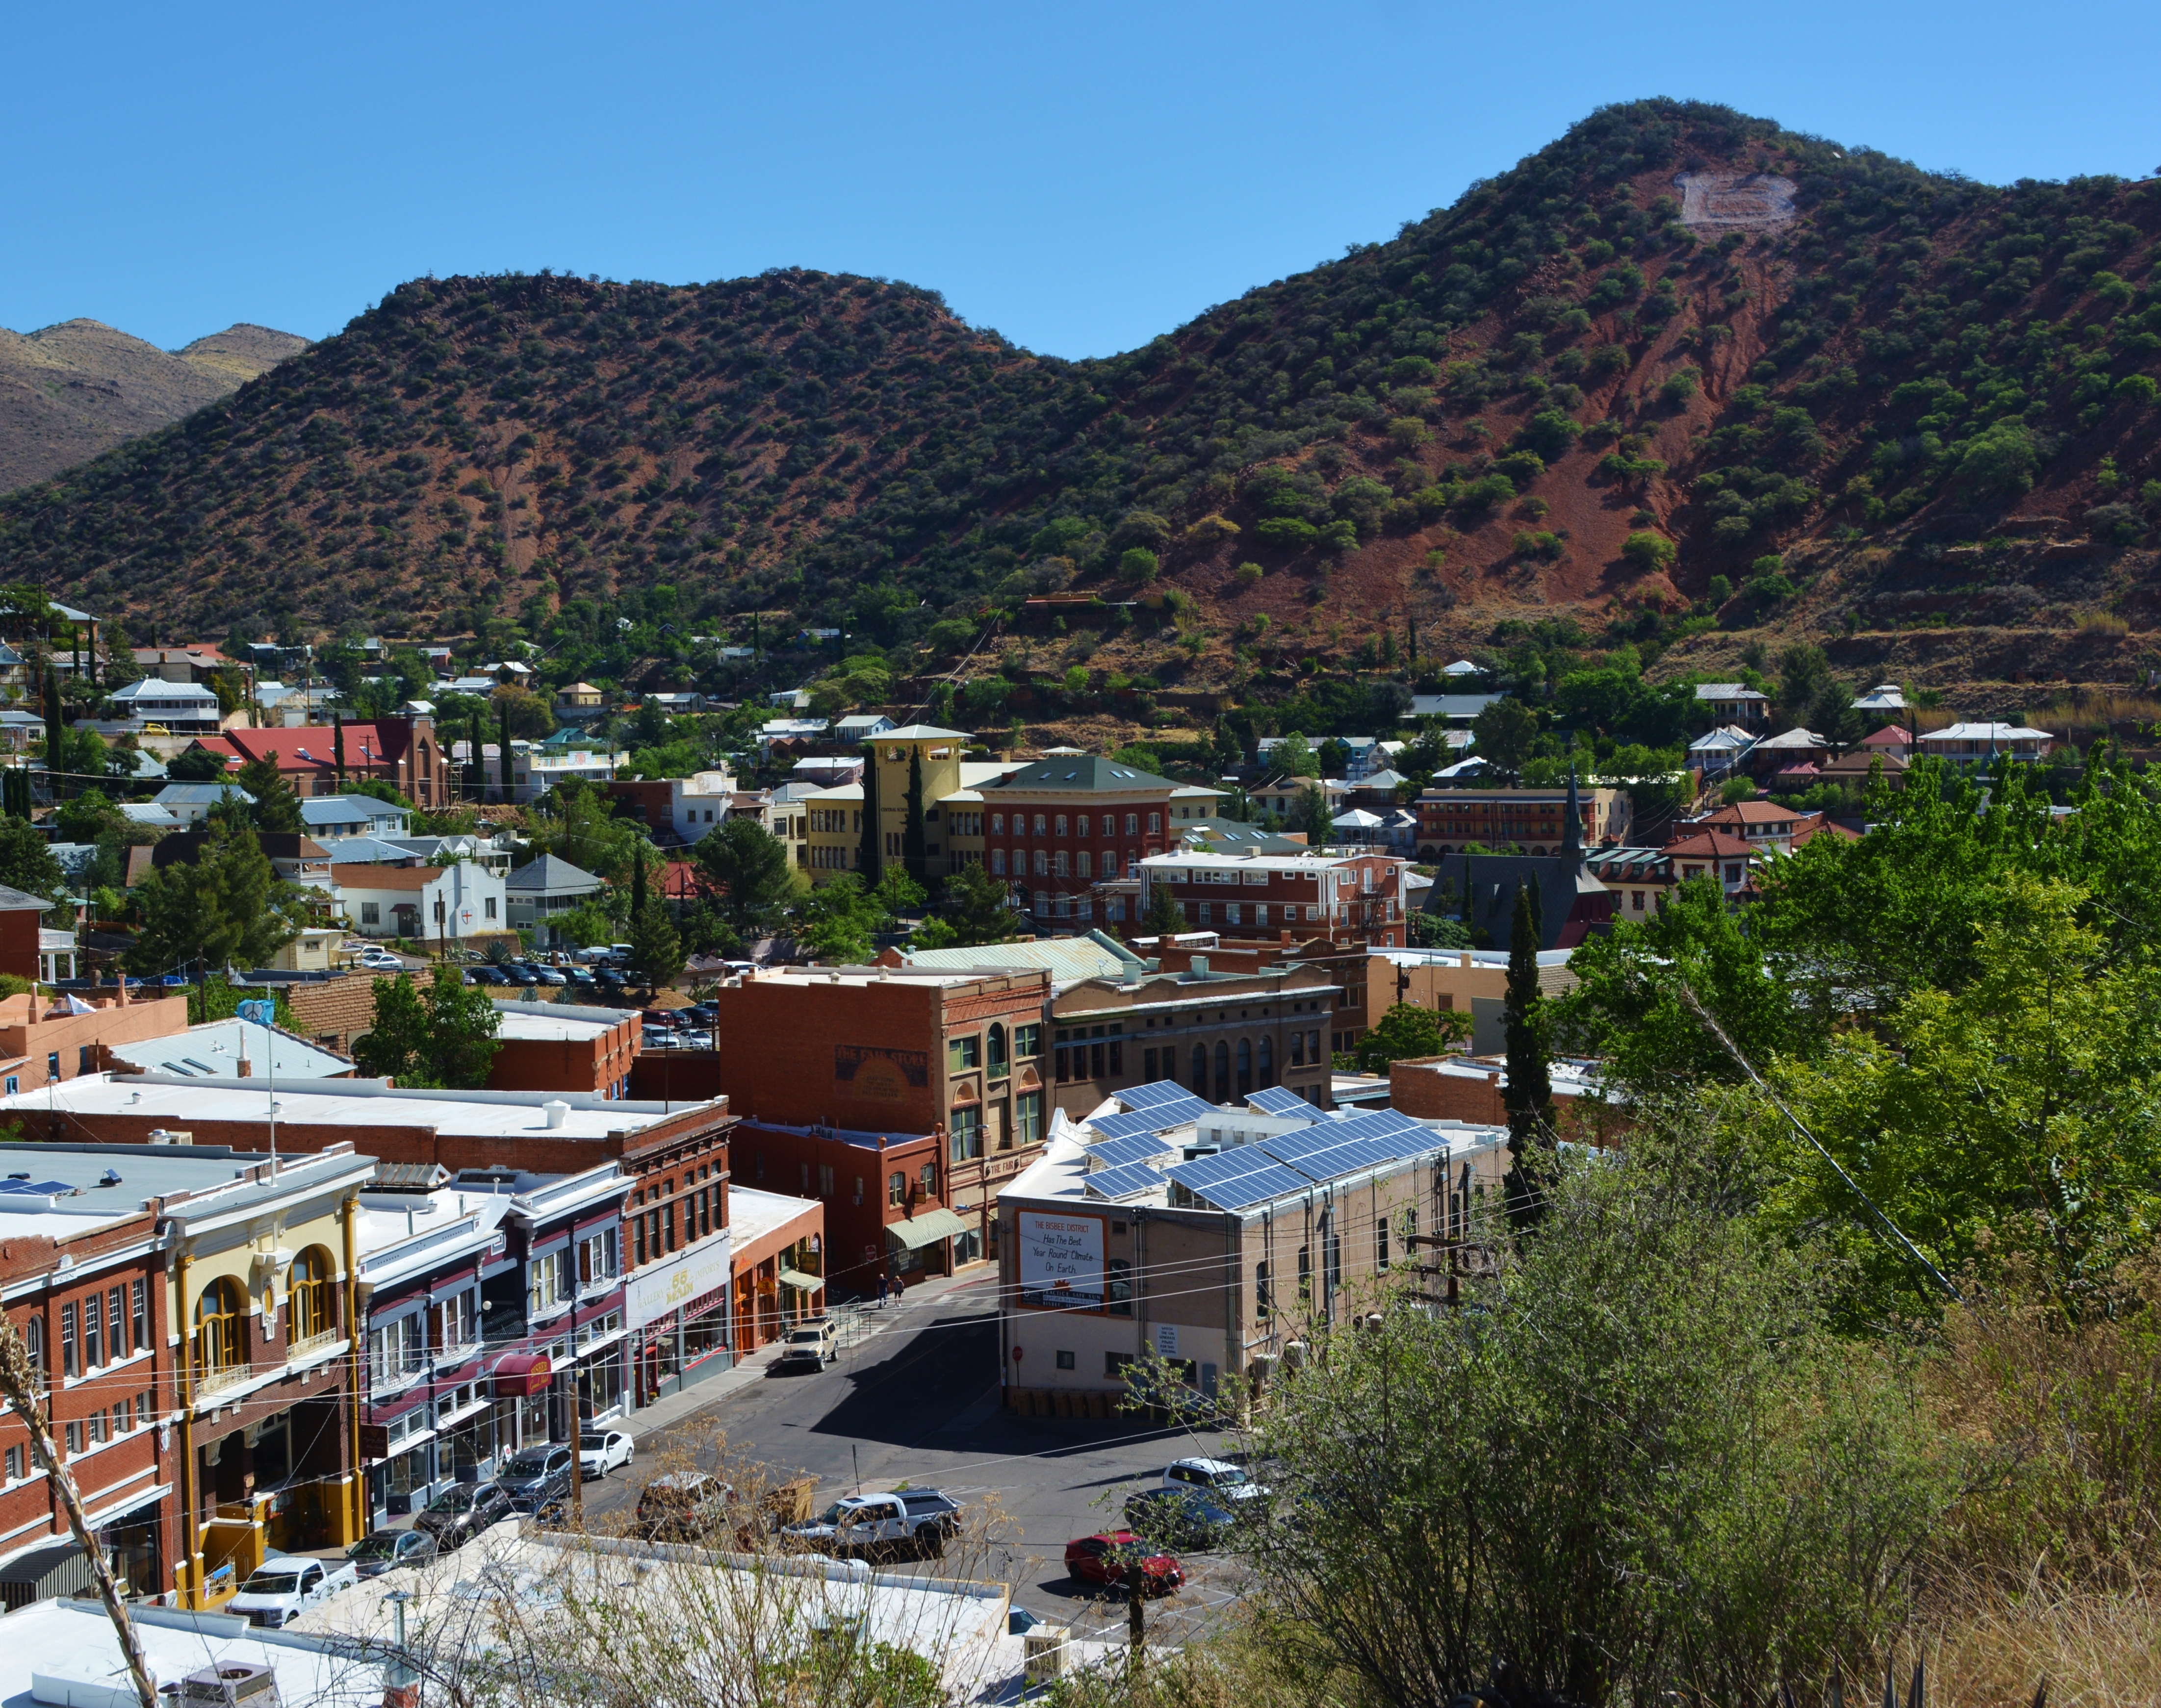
column 1061, row 1260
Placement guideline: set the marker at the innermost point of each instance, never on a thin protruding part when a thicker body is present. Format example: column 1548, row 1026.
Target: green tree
column 577, row 823
column 502, row 753
column 1312, row 816
column 522, row 712
column 1501, row 734
column 1295, row 756
column 195, row 765
column 1528, row 1097
column 749, row 866
column 1407, row 1032
column 27, row 861
column 276, row 808
column 978, row 908
column 87, row 817
column 836, row 922
column 1166, row 914
column 445, row 1039
column 913, row 844
column 227, row 907
column 656, row 948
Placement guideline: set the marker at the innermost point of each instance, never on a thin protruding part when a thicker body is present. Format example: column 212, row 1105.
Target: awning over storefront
column 57, row 1569
column 927, row 1229
column 522, row 1375
column 801, row 1282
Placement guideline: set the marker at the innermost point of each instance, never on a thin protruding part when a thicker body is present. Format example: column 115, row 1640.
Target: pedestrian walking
column 900, row 1287
column 884, row 1285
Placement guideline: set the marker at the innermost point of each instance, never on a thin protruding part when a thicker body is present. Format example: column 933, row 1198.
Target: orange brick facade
column 602, row 1063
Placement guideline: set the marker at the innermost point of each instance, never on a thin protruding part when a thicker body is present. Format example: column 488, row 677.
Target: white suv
column 1216, row 1478
column 816, row 1344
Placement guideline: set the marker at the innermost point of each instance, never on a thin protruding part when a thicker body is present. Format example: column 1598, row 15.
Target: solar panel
column 1275, row 1181
column 1281, row 1100
column 1155, row 1092
column 1139, row 1124
column 42, row 1189
column 1123, row 1181
column 1232, row 1179
column 1137, row 1149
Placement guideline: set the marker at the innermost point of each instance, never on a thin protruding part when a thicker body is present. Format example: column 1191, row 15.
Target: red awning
column 522, row 1375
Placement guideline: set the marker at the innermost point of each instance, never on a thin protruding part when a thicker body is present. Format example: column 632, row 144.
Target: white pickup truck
column 279, row 1590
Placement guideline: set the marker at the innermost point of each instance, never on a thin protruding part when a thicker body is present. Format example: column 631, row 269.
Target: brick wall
column 335, row 1011
column 18, row 942
column 855, row 1241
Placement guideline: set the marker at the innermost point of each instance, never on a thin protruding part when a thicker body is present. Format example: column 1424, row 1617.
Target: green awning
column 926, row 1229
column 801, row 1282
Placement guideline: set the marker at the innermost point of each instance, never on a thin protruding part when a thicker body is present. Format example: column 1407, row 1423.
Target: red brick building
column 1058, row 827
column 1346, row 897
column 19, row 915
column 887, row 1198
column 885, row 1051
column 401, row 751
column 561, row 1047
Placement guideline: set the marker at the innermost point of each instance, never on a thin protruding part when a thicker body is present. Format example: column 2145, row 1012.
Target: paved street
column 918, row 1401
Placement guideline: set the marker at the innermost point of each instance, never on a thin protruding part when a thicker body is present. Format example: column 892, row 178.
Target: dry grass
column 2088, row 708
column 2097, row 1648
column 2104, row 624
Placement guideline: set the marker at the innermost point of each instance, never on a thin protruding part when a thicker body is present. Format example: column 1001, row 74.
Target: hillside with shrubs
column 1918, row 401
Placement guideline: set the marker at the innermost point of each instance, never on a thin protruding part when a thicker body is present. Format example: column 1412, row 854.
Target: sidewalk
column 905, row 1313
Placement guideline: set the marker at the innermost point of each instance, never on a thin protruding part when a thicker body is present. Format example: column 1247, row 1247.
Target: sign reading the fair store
column 1061, row 1260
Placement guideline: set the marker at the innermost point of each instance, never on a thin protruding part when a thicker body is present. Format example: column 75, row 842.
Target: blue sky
column 1080, row 178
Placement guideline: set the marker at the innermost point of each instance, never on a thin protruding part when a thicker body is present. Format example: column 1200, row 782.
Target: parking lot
column 918, row 1401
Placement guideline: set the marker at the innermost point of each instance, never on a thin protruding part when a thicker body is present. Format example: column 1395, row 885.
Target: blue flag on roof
column 262, row 1013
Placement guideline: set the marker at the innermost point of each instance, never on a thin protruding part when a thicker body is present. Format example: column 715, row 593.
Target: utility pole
column 18, row 1380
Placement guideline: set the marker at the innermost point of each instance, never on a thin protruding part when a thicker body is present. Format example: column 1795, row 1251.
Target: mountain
column 75, row 390
column 1682, row 375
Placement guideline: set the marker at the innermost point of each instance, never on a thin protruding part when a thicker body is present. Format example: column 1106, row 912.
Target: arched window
column 220, row 1328
column 1268, row 1063
column 1201, row 1069
column 1222, row 1072
column 996, row 1052
column 309, row 1299
column 998, row 862
column 1245, row 1066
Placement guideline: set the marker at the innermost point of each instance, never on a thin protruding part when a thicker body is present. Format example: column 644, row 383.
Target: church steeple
column 1571, row 844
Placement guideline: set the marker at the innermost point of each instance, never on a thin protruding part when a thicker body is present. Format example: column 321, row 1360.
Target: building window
column 308, row 1286
column 544, row 1288
column 71, row 1344
column 1061, row 824
column 93, row 1332
column 996, row 1058
column 1222, row 1073
column 1200, row 1067
column 967, row 1133
column 596, row 1257
column 1026, row 1042
column 929, row 1180
column 1028, row 1118
column 1335, row 1278
column 371, row 913
column 1305, row 1274
column 1268, row 1063
column 1155, row 823
column 965, row 1052
column 1381, row 1245
column 1062, row 864
column 1118, row 1285
column 1262, row 1305
column 490, row 905
column 1298, row 1049
column 895, row 1188
column 394, row 1350
column 1042, row 863
column 116, row 1311
column 1132, row 823
column 1039, row 822
column 997, row 862
column 825, row 1179
column 220, row 1328
column 998, row 824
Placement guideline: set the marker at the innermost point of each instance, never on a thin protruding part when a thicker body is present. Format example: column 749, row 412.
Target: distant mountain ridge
column 74, row 391
column 1681, row 359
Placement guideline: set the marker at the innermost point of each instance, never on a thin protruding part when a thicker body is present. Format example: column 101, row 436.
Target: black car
column 534, row 1476
column 457, row 1515
column 383, row 1550
column 485, row 976
column 1174, row 1517
column 520, row 975
column 609, row 980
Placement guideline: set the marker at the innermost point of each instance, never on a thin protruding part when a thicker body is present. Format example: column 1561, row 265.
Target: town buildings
column 1735, row 703
column 678, row 810
column 434, row 904
column 564, row 1047
column 1467, row 980
column 778, row 1250
column 1970, row 745
column 885, row 1206
column 881, row 1050
column 1453, row 819
column 543, row 888
column 401, row 751
column 1209, row 1239
column 1339, row 895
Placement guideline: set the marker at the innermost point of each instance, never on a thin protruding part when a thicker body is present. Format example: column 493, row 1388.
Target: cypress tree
column 476, row 759
column 912, row 842
column 55, row 731
column 870, row 853
column 503, row 738
column 337, row 748
column 1529, row 1096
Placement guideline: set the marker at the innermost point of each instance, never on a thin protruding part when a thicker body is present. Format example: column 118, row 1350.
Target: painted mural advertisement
column 1061, row 1260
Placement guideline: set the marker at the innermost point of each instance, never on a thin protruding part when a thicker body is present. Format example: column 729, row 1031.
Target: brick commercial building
column 1285, row 1226
column 1474, row 1089
column 780, row 1257
column 887, row 1050
column 401, row 751
column 561, row 1047
column 677, row 1157
column 1472, row 981
column 38, row 1041
column 1533, row 820
column 885, row 1199
column 1339, row 895
column 21, row 943
column 1219, row 1033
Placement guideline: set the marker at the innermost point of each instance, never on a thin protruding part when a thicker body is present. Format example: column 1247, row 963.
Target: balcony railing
column 217, row 1380
column 308, row 1344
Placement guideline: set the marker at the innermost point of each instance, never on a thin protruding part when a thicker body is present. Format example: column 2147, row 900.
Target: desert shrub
column 1680, row 387
column 1249, row 575
column 1487, row 492
column 1137, row 564
column 1211, row 529
column 1407, row 433
column 1520, row 466
column 1550, row 433
column 1770, row 586
column 1649, row 552
column 2000, row 461
column 1539, row 545
column 1411, row 370
column 1718, row 590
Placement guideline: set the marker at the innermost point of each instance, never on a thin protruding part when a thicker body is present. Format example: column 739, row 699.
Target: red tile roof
column 367, row 745
column 1712, row 844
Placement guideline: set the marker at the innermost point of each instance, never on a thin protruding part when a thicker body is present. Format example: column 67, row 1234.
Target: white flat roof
column 216, row 1048
column 73, row 1640
column 752, row 1214
column 551, row 1029
column 1307, row 862
column 361, row 1104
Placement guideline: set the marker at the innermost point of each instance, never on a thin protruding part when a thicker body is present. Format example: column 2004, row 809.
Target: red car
column 1113, row 1558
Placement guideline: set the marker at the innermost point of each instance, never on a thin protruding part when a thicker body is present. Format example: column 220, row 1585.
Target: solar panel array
column 1123, row 1181
column 1136, row 1147
column 43, row 1189
column 1281, row 1100
column 1233, row 1180
column 1152, row 1119
column 1275, row 1166
column 1155, row 1092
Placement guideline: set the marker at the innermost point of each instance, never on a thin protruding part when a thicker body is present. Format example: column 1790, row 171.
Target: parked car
column 282, row 1589
column 386, row 1550
column 381, row 961
column 581, row 979
column 457, row 1515
column 534, row 1474
column 812, row 1347
column 551, row 977
column 662, row 1019
column 484, row 975
column 1218, row 1479
column 1174, row 1518
column 602, row 1450
column 693, row 1040
column 609, row 980
column 1118, row 1560
column 684, row 1506
column 881, row 1523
